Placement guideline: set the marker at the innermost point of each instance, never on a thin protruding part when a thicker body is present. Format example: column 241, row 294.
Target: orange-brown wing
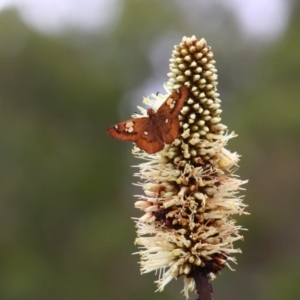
column 173, row 104
column 168, row 113
column 140, row 131
column 129, row 130
column 150, row 141
column 169, row 131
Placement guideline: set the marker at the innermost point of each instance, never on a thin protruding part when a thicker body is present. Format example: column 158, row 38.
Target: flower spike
column 190, row 189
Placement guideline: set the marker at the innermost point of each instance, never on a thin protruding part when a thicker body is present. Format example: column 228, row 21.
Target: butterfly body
column 152, row 132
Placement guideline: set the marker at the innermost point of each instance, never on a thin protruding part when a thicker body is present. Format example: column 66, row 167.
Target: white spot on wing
column 129, row 127
column 171, row 102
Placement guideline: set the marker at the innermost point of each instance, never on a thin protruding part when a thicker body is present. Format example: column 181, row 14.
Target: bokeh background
column 70, row 69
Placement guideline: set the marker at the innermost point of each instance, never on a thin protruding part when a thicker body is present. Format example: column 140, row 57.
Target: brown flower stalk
column 190, row 191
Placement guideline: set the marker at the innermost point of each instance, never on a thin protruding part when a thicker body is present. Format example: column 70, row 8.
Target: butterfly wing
column 169, row 133
column 168, row 113
column 140, row 131
column 129, row 130
column 174, row 103
column 150, row 142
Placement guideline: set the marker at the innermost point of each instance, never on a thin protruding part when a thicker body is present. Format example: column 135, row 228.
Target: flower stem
column 203, row 286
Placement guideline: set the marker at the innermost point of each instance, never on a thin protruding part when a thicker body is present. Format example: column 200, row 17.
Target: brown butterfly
column 150, row 133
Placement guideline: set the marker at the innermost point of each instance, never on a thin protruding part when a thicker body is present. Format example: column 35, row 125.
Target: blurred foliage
column 65, row 189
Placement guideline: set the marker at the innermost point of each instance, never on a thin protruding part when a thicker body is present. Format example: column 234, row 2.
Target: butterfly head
column 150, row 111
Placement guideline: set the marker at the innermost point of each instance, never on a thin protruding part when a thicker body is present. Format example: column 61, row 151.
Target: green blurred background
column 66, row 193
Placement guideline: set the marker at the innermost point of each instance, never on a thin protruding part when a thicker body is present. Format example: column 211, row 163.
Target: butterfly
column 159, row 128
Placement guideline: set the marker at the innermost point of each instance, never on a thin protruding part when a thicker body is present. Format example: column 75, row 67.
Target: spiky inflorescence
column 190, row 189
